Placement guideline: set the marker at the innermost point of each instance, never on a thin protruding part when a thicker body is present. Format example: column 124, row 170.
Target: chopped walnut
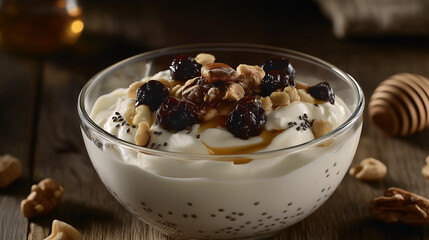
column 255, row 72
column 267, row 104
column 369, row 169
column 10, row 170
column 234, row 92
column 193, row 93
column 293, row 93
column 63, row 231
column 44, row 197
column 211, row 113
column 321, row 127
column 205, row 58
column 142, row 114
column 280, row 98
column 214, row 72
column 133, row 88
column 142, row 135
column 398, row 205
column 177, row 90
column 305, row 97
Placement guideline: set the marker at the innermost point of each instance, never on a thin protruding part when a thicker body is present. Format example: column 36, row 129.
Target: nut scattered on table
column 44, row 197
column 63, row 231
column 425, row 169
column 398, row 205
column 369, row 169
column 10, row 170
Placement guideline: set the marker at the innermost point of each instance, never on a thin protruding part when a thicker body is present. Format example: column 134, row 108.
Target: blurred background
column 108, row 30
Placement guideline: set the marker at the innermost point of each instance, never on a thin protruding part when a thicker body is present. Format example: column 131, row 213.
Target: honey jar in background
column 39, row 26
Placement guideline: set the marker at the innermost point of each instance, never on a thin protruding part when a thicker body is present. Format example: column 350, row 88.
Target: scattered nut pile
column 202, row 89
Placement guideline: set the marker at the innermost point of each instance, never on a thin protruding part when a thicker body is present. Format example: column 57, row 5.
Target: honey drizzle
column 267, row 138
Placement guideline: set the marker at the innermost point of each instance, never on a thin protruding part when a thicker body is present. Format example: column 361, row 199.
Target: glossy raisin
column 322, row 91
column 274, row 80
column 152, row 94
column 279, row 64
column 176, row 115
column 184, row 68
column 247, row 119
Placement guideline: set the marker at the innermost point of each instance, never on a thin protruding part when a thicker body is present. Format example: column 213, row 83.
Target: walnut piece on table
column 398, row 205
column 44, row 197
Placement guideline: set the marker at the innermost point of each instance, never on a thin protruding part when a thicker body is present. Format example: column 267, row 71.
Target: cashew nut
column 369, row 169
column 63, row 231
column 205, row 58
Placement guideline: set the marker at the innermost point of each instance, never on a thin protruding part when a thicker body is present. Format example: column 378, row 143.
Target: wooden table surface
column 39, row 122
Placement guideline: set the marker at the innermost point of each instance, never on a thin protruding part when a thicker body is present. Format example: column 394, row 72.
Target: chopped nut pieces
column 63, row 231
column 142, row 114
column 133, row 88
column 214, row 72
column 44, row 197
column 425, row 169
column 369, row 169
column 234, row 92
column 256, row 72
column 305, row 97
column 398, row 205
column 280, row 98
column 267, row 104
column 293, row 93
column 321, row 127
column 142, row 135
column 10, row 170
column 205, row 58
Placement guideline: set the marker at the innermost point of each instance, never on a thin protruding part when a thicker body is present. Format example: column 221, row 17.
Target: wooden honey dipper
column 399, row 106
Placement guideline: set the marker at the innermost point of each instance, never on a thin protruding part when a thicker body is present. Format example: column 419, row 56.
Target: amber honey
column 39, row 26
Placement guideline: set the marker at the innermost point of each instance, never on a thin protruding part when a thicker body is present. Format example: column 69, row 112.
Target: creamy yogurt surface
column 286, row 125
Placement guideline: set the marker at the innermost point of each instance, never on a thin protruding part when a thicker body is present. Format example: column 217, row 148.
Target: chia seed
column 117, row 113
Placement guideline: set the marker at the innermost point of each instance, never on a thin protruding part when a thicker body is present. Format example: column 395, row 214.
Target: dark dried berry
column 247, row 119
column 176, row 115
column 184, row 68
column 279, row 64
column 322, row 91
column 274, row 80
column 152, row 94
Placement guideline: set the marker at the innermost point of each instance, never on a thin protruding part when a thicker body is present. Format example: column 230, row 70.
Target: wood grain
column 18, row 96
column 54, row 147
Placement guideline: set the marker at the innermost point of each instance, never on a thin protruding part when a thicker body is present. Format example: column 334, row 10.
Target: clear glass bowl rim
column 344, row 127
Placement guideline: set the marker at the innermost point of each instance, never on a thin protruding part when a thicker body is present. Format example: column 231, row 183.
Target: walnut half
column 44, row 197
column 398, row 205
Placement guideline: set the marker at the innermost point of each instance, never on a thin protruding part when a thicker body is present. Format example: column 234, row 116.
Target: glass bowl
column 208, row 196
